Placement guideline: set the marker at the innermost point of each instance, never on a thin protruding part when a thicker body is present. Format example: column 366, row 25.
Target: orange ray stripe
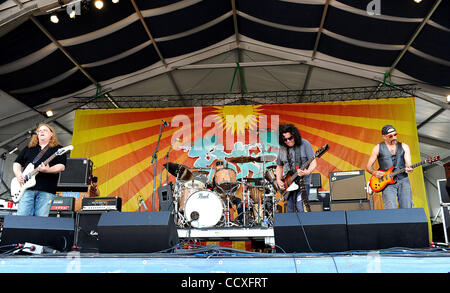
column 379, row 111
column 97, row 120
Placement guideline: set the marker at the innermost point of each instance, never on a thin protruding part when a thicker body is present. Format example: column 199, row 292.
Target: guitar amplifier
column 61, row 203
column 348, row 185
column 76, row 176
column 101, row 204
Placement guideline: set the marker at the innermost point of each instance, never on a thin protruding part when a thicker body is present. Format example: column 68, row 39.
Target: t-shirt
column 44, row 181
column 288, row 161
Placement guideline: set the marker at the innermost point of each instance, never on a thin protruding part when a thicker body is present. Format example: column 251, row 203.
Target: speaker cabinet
column 380, row 229
column 165, row 198
column 56, row 233
column 76, row 176
column 348, row 185
column 350, row 205
column 86, row 234
column 323, row 231
column 137, row 232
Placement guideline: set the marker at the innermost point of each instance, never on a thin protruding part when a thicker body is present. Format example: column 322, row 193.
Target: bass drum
column 203, row 209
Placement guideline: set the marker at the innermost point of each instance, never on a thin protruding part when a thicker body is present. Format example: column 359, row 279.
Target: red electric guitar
column 378, row 184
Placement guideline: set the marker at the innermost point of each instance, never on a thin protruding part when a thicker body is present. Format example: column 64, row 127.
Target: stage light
column 98, row 4
column 115, row 1
column 417, row 1
column 72, row 14
column 54, row 18
column 448, row 98
column 49, row 113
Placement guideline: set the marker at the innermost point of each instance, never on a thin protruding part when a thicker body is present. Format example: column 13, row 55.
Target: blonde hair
column 53, row 140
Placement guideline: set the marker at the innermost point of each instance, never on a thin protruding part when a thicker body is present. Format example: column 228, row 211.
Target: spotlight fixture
column 417, row 1
column 115, row 1
column 98, row 4
column 54, row 18
column 49, row 113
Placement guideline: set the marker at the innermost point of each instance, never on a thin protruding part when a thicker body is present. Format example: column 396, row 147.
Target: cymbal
column 178, row 170
column 241, row 159
column 266, row 158
column 196, row 171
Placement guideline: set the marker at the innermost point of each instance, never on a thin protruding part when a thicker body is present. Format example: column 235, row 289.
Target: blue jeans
column 35, row 203
column 296, row 197
column 400, row 189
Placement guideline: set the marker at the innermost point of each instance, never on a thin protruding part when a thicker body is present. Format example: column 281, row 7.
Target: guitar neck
column 404, row 169
column 35, row 171
column 302, row 167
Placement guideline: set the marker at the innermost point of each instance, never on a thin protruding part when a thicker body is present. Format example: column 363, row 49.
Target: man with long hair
column 294, row 152
column 37, row 200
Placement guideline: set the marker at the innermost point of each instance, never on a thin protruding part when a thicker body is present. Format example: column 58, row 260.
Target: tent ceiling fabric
column 191, row 47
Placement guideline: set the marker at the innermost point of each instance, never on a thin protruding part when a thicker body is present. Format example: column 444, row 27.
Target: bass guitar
column 29, row 175
column 378, row 184
column 290, row 178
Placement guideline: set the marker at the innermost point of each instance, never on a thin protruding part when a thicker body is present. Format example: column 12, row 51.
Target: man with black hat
column 391, row 152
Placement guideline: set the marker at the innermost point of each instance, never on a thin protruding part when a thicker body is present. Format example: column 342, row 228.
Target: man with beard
column 391, row 152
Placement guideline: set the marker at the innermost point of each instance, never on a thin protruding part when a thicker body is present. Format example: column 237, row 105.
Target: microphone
column 141, row 200
column 165, row 123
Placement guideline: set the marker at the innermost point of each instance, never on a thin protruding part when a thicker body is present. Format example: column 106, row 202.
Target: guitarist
column 37, row 200
column 294, row 151
column 391, row 152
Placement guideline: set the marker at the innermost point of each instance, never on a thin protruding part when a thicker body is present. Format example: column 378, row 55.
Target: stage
column 215, row 259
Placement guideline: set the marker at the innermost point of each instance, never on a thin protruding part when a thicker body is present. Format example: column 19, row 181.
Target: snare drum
column 203, row 209
column 225, row 179
column 188, row 188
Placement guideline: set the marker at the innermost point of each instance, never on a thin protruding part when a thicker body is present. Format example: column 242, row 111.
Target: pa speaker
column 381, row 229
column 57, row 233
column 348, row 185
column 76, row 176
column 311, row 232
column 137, row 232
column 165, row 198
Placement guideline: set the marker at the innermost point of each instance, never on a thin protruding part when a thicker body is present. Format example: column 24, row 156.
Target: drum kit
column 224, row 201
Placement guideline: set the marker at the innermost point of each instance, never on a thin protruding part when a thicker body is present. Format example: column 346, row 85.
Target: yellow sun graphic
column 237, row 118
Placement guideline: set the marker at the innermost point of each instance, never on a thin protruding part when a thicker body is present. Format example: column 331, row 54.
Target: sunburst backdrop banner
column 125, row 143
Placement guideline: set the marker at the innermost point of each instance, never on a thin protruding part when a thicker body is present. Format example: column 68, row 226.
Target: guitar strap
column 301, row 182
column 39, row 156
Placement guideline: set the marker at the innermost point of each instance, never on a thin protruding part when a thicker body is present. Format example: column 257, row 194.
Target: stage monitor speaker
column 350, row 205
column 137, row 232
column 348, row 185
column 311, row 232
column 381, row 229
column 56, row 233
column 165, row 198
column 76, row 176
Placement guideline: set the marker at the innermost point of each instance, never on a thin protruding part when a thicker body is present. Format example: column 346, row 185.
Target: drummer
column 236, row 201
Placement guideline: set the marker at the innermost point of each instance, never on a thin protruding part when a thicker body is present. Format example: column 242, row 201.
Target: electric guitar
column 378, row 184
column 29, row 175
column 291, row 177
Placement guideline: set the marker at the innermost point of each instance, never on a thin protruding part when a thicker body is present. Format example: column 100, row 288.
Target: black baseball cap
column 387, row 129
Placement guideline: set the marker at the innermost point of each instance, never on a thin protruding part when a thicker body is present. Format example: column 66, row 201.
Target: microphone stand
column 3, row 156
column 155, row 161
